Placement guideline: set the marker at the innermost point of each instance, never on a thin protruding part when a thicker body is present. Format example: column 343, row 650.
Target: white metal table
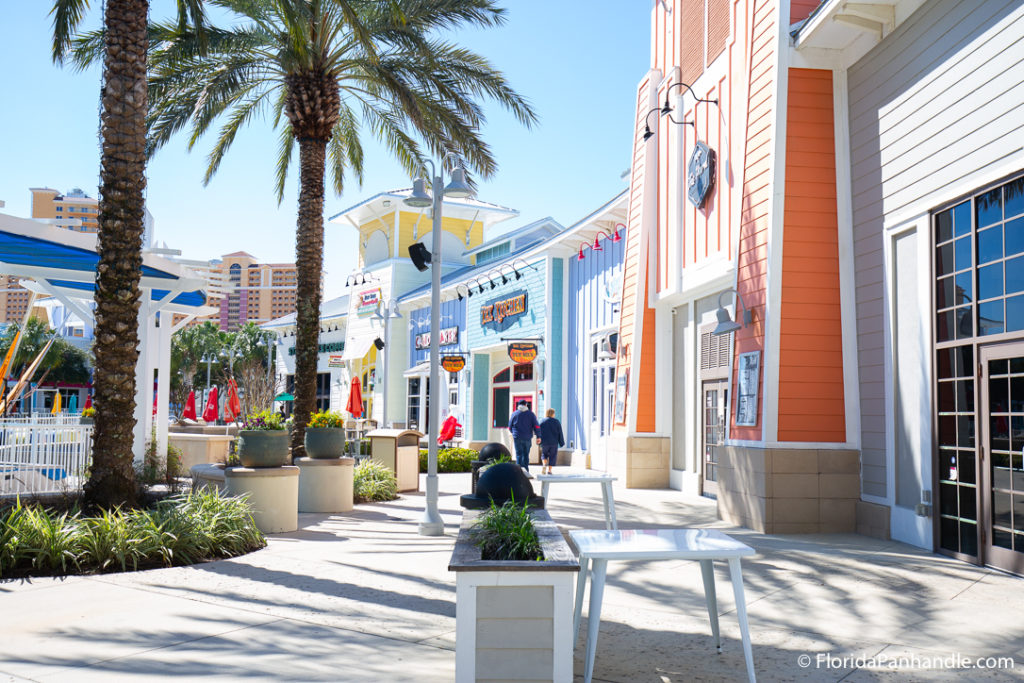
column 703, row 545
column 581, row 478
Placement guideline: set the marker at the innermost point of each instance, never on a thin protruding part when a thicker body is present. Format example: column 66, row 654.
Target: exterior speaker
column 420, row 256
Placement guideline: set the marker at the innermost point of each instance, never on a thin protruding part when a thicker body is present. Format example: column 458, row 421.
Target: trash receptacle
column 398, row 450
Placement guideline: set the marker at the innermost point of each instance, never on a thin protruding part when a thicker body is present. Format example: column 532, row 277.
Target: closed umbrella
column 73, row 403
column 88, row 402
column 56, row 404
column 355, row 399
column 232, row 406
column 210, row 412
column 190, row 407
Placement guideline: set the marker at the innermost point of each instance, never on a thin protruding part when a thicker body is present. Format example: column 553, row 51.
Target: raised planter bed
column 514, row 614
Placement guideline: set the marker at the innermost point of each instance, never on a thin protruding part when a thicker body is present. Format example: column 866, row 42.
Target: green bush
column 507, row 533
column 373, row 481
column 185, row 529
column 451, row 459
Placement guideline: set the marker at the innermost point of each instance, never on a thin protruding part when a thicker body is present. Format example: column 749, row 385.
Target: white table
column 703, row 545
column 582, row 478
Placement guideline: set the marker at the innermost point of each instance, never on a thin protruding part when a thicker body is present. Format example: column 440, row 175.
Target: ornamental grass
column 372, row 481
column 181, row 530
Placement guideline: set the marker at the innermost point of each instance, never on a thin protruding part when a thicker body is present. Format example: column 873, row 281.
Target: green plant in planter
column 506, row 533
column 325, row 435
column 263, row 441
column 372, row 481
column 87, row 416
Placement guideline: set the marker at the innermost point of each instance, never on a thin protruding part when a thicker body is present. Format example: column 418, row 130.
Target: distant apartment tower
column 256, row 292
column 74, row 210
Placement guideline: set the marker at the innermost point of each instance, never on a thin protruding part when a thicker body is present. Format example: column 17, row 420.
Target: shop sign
column 449, row 337
column 700, row 174
column 453, row 363
column 746, row 388
column 368, row 303
column 522, row 352
column 323, row 348
column 336, row 361
column 500, row 314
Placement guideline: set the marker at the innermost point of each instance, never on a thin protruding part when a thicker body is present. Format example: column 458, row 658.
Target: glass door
column 715, row 413
column 1002, row 457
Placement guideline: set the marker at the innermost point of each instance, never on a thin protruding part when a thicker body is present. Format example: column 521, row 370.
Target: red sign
column 522, row 352
column 453, row 363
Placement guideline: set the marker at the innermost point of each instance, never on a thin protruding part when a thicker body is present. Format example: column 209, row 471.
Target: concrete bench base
column 325, row 485
column 273, row 495
column 207, row 476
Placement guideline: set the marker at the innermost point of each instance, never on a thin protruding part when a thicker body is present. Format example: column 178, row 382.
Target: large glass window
column 413, row 404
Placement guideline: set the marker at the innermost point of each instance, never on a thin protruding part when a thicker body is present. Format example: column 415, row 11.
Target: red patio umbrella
column 355, row 398
column 88, row 402
column 190, row 407
column 448, row 430
column 210, row 412
column 232, row 406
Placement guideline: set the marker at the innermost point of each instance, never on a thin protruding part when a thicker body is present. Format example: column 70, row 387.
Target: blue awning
column 196, row 298
column 30, row 251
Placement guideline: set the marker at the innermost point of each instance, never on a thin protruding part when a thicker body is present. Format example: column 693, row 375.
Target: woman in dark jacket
column 550, row 440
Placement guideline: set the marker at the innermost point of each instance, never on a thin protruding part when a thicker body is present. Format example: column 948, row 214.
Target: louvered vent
column 715, row 351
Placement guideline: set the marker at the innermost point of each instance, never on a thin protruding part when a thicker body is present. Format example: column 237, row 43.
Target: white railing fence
column 45, row 454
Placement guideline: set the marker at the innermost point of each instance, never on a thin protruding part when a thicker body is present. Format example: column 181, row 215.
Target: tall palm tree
column 326, row 70
column 121, row 208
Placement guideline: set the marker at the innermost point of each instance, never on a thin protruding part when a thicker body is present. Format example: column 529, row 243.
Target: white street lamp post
column 431, row 523
column 390, row 313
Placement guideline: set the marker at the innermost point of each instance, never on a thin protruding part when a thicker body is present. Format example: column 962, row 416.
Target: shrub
column 193, row 527
column 451, row 459
column 507, row 533
column 266, row 420
column 372, row 481
column 89, row 412
column 325, row 419
column 154, row 470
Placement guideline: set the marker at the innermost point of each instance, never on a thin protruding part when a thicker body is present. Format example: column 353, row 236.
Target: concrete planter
column 325, row 484
column 263, row 448
column 324, row 442
column 514, row 614
column 201, row 449
column 272, row 494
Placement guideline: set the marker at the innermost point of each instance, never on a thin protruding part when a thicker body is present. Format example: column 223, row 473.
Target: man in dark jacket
column 523, row 426
column 550, row 440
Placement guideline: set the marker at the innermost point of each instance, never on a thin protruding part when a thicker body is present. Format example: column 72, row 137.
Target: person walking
column 551, row 439
column 524, row 427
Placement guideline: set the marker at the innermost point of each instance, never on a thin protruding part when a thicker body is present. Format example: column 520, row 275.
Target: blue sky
column 577, row 62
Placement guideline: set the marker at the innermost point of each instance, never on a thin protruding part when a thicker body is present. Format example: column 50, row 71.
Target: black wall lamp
column 468, row 293
column 666, row 109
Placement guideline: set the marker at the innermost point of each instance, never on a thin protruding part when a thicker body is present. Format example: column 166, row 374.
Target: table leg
column 544, row 491
column 707, row 571
column 581, row 584
column 736, row 573
column 594, row 615
column 609, row 506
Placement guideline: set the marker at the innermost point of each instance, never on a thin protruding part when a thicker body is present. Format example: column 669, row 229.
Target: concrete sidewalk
column 363, row 597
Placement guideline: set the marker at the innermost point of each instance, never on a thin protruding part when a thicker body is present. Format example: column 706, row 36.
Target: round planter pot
column 85, row 420
column 324, row 442
column 262, row 448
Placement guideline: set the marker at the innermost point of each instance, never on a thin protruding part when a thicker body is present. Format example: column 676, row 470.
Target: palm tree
column 121, row 207
column 325, row 70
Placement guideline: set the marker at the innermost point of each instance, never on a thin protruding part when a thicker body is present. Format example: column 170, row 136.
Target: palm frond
column 284, row 159
column 67, row 15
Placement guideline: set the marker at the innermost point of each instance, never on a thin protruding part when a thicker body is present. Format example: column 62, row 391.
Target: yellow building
column 74, row 210
column 256, row 292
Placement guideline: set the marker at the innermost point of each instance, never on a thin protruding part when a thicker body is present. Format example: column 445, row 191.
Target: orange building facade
column 846, row 181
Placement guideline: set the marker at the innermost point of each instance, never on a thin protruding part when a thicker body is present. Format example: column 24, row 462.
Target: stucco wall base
column 873, row 520
column 642, row 462
column 789, row 491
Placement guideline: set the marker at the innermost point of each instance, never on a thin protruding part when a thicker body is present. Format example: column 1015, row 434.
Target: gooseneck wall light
column 725, row 322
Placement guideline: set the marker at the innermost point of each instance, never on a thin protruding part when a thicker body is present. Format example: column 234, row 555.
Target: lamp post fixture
column 207, row 358
column 431, row 524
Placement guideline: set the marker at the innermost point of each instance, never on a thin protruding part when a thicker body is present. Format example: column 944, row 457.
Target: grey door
column 715, row 411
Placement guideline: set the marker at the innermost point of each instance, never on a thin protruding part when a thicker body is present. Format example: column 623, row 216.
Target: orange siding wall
column 691, row 39
column 801, row 9
column 752, row 266
column 634, row 291
column 811, row 406
column 718, row 28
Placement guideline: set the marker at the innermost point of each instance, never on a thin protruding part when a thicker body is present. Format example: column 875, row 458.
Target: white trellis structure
column 43, row 454
column 61, row 263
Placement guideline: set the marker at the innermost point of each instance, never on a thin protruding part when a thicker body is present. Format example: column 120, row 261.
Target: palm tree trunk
column 309, row 258
column 122, row 181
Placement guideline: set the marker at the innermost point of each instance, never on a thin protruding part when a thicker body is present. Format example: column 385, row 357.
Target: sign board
column 522, row 352
column 336, row 361
column 500, row 314
column 323, row 348
column 700, row 174
column 621, row 394
column 453, row 363
column 747, row 376
column 368, row 303
column 449, row 337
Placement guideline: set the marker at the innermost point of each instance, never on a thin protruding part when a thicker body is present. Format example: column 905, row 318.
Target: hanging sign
column 322, row 348
column 502, row 313
column 700, row 174
column 368, row 302
column 449, row 337
column 453, row 363
column 522, row 352
column 336, row 361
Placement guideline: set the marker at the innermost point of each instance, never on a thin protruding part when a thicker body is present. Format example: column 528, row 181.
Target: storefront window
column 523, row 372
column 500, row 415
column 413, row 403
column 323, row 391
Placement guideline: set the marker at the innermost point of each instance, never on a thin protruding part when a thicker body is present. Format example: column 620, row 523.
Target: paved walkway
column 363, row 597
